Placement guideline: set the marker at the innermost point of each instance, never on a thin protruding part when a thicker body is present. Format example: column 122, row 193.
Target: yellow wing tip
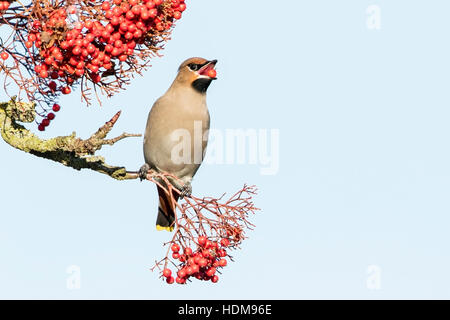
column 160, row 228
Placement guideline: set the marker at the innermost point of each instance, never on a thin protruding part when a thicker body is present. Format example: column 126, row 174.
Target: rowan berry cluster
column 206, row 231
column 202, row 264
column 97, row 42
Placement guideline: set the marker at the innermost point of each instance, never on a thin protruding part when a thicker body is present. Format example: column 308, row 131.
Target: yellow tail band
column 160, row 228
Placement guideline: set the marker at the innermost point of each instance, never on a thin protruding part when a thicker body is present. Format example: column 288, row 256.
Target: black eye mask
column 195, row 67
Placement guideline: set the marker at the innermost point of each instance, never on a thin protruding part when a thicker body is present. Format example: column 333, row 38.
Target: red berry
column 90, row 48
column 215, row 279
column 212, row 73
column 76, row 51
column 4, row 55
column 106, row 5
column 56, row 107
column 130, row 15
column 135, row 9
column 175, row 247
column 224, row 242
column 109, row 48
column 145, row 15
column 176, row 255
column 160, row 27
column 222, row 253
column 177, row 15
column 170, row 280
column 48, row 59
column 51, row 116
column 222, row 262
column 41, row 127
column 188, row 251
column 180, row 280
column 45, row 122
column 89, row 24
column 206, row 253
column 203, row 262
column 90, row 37
column 52, row 85
column 167, row 273
column 202, row 240
column 115, row 52
column 43, row 73
column 153, row 12
column 79, row 72
column 36, row 24
column 66, row 90
column 96, row 77
column 182, row 273
column 210, row 272
column 189, row 270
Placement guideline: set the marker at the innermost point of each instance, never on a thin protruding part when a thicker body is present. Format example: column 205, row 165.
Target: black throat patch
column 202, row 84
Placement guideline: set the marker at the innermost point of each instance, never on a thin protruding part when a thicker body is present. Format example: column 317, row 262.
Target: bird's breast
column 177, row 134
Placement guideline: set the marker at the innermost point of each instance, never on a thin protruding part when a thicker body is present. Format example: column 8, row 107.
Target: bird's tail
column 166, row 210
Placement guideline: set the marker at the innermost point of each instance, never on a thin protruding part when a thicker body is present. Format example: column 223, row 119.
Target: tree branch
column 69, row 150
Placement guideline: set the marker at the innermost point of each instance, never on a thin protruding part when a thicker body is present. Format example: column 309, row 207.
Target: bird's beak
column 205, row 70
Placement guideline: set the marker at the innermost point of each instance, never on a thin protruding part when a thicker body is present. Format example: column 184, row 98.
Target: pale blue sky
column 364, row 171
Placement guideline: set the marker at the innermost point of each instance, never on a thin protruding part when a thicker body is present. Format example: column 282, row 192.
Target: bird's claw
column 186, row 190
column 143, row 172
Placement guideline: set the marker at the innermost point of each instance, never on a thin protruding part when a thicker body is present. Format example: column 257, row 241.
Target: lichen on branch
column 70, row 150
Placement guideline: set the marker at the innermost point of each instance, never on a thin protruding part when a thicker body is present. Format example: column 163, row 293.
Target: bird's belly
column 182, row 171
column 176, row 149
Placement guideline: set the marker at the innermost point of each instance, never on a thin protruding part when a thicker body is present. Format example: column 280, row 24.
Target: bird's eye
column 194, row 67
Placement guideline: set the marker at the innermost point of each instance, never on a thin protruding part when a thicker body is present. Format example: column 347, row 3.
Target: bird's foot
column 186, row 190
column 143, row 172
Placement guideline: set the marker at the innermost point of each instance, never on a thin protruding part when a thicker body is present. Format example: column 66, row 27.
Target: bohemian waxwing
column 173, row 116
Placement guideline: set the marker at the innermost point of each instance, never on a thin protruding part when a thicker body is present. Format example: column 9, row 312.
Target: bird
column 182, row 109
